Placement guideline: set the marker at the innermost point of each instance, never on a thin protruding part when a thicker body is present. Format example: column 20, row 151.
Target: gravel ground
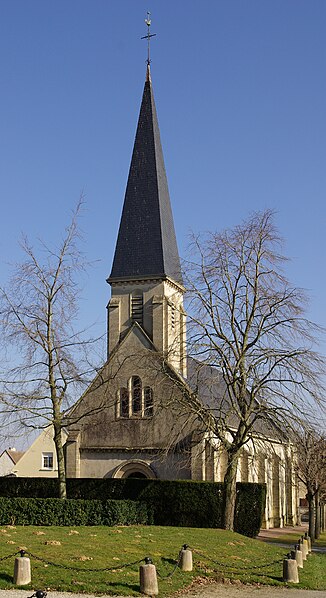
column 232, row 591
column 212, row 590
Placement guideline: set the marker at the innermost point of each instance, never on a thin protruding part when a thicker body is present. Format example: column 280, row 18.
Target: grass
column 86, row 548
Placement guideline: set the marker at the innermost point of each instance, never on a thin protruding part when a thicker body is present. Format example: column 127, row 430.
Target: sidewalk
column 278, row 532
column 267, row 535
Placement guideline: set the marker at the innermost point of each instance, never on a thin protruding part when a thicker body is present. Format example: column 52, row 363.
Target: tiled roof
column 15, row 455
column 146, row 245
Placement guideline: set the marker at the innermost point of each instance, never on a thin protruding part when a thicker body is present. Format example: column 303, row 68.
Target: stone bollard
column 22, row 570
column 307, row 537
column 306, row 544
column 185, row 559
column 290, row 570
column 297, row 555
column 148, row 578
column 303, row 549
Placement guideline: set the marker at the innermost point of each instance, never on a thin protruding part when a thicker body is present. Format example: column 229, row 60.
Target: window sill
column 134, row 417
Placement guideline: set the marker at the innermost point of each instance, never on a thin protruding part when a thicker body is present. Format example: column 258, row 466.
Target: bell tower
column 145, row 279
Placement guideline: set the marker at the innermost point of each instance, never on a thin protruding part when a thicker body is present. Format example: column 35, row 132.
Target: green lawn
column 86, row 548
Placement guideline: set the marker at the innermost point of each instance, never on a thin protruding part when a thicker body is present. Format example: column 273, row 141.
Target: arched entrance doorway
column 134, row 469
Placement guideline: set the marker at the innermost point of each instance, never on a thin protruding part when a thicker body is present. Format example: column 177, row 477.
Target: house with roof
column 8, row 460
column 129, row 423
column 39, row 460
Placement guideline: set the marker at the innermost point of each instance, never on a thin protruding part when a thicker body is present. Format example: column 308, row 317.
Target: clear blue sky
column 240, row 89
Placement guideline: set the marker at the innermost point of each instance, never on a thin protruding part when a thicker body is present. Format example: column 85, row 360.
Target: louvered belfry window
column 137, row 308
column 173, row 317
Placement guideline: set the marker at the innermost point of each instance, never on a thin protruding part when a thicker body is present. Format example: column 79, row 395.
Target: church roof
column 207, row 381
column 146, row 245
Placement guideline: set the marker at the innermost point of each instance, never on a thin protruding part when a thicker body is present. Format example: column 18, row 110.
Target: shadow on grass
column 266, row 576
column 280, row 541
column 274, row 577
column 128, row 586
column 6, row 577
column 169, row 561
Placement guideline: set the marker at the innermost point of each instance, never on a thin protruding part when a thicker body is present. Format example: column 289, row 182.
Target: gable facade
column 130, row 418
column 8, row 459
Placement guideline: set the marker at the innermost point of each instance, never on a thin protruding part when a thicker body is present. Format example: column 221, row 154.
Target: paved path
column 270, row 534
column 231, row 591
column 278, row 532
column 211, row 590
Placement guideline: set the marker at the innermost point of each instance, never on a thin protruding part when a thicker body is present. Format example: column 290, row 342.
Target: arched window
column 148, row 401
column 136, row 391
column 135, row 400
column 124, row 402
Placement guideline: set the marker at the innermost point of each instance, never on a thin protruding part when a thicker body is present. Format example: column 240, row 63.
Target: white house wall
column 6, row 464
column 31, row 463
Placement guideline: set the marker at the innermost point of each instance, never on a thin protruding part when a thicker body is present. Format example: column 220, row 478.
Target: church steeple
column 146, row 246
column 146, row 281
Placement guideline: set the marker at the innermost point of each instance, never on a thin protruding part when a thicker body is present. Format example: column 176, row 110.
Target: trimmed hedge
column 29, row 487
column 185, row 503
column 54, row 511
column 181, row 503
column 176, row 503
column 249, row 508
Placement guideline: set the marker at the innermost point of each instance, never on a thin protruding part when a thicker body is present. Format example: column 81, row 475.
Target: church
column 129, row 423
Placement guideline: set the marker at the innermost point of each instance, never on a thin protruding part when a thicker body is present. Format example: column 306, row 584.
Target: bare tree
column 248, row 329
column 311, row 468
column 37, row 317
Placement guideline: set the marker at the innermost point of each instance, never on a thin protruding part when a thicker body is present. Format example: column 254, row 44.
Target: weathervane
column 148, row 36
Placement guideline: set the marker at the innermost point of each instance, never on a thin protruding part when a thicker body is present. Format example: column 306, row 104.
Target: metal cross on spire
column 148, row 37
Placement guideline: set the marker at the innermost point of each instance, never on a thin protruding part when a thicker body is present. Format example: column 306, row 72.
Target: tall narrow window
column 136, row 395
column 148, row 401
column 124, row 402
column 137, row 307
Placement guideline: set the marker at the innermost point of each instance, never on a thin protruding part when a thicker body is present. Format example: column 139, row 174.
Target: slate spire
column 146, row 245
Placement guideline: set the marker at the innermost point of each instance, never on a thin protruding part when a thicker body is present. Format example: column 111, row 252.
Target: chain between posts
column 4, row 558
column 69, row 567
column 237, row 568
column 234, row 567
column 174, row 569
column 91, row 570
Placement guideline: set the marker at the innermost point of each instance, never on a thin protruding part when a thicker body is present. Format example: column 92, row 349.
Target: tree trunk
column 311, row 504
column 230, row 480
column 60, row 459
column 323, row 516
column 317, row 515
